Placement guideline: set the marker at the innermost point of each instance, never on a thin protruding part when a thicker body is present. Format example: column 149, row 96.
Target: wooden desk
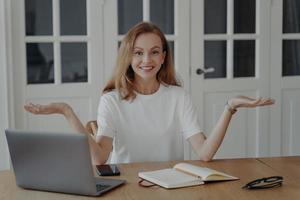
column 289, row 167
column 245, row 169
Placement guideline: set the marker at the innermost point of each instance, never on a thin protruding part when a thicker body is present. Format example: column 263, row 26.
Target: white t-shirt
column 149, row 128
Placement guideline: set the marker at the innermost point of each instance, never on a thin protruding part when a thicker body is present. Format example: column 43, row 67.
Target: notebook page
column 170, row 178
column 204, row 173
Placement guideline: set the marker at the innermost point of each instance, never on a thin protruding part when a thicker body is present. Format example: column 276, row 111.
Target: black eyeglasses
column 264, row 183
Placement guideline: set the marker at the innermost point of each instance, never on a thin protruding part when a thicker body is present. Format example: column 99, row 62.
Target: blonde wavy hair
column 123, row 76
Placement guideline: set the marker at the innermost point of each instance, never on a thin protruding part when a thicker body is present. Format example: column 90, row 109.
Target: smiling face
column 147, row 56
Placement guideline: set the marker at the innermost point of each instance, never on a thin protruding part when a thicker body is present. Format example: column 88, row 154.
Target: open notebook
column 183, row 175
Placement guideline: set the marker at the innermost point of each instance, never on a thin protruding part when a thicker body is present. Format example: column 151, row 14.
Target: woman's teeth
column 147, row 67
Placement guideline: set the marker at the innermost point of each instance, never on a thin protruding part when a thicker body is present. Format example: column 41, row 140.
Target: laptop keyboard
column 102, row 187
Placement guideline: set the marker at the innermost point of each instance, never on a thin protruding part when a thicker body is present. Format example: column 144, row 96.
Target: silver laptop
column 58, row 162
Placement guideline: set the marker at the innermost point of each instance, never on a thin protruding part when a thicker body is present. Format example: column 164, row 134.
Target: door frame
column 6, row 81
column 275, row 81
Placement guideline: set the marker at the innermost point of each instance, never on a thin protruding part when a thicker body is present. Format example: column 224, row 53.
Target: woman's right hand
column 52, row 108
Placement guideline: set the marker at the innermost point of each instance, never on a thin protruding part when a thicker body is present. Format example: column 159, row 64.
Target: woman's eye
column 138, row 53
column 155, row 52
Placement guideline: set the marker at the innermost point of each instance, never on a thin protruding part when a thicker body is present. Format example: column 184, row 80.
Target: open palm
column 247, row 102
column 52, row 108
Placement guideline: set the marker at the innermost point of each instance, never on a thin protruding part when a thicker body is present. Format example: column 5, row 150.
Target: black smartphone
column 107, row 170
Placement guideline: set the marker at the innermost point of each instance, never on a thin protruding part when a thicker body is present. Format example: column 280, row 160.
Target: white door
column 172, row 16
column 58, row 56
column 231, row 37
column 285, row 77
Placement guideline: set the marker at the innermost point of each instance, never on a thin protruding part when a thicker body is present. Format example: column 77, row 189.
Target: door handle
column 200, row 71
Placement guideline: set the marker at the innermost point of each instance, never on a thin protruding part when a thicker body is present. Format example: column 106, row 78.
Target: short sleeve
column 189, row 119
column 106, row 121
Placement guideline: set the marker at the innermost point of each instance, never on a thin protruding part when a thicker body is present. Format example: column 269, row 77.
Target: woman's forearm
column 73, row 120
column 211, row 145
column 207, row 148
column 99, row 154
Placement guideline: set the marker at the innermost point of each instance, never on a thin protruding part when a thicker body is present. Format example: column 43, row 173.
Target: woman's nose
column 146, row 58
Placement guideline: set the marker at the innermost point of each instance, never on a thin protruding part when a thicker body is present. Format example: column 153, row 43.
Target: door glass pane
column 162, row 14
column 39, row 58
column 73, row 17
column 291, row 16
column 244, row 16
column 130, row 12
column 215, row 57
column 171, row 46
column 215, row 15
column 290, row 57
column 74, row 62
column 38, row 17
column 244, row 58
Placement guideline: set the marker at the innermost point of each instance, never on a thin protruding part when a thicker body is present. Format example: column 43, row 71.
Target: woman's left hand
column 247, row 102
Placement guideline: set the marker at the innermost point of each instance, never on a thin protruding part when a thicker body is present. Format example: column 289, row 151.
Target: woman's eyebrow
column 154, row 47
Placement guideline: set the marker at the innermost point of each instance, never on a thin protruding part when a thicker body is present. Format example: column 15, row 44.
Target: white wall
column 4, row 93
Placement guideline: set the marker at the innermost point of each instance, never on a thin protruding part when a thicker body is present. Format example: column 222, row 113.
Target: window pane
column 40, row 67
column 130, row 12
column 74, row 62
column 215, row 15
column 73, row 17
column 215, row 57
column 171, row 46
column 244, row 58
column 38, row 17
column 244, row 16
column 291, row 57
column 291, row 16
column 162, row 14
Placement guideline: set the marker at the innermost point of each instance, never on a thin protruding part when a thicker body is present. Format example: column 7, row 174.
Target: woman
column 144, row 113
